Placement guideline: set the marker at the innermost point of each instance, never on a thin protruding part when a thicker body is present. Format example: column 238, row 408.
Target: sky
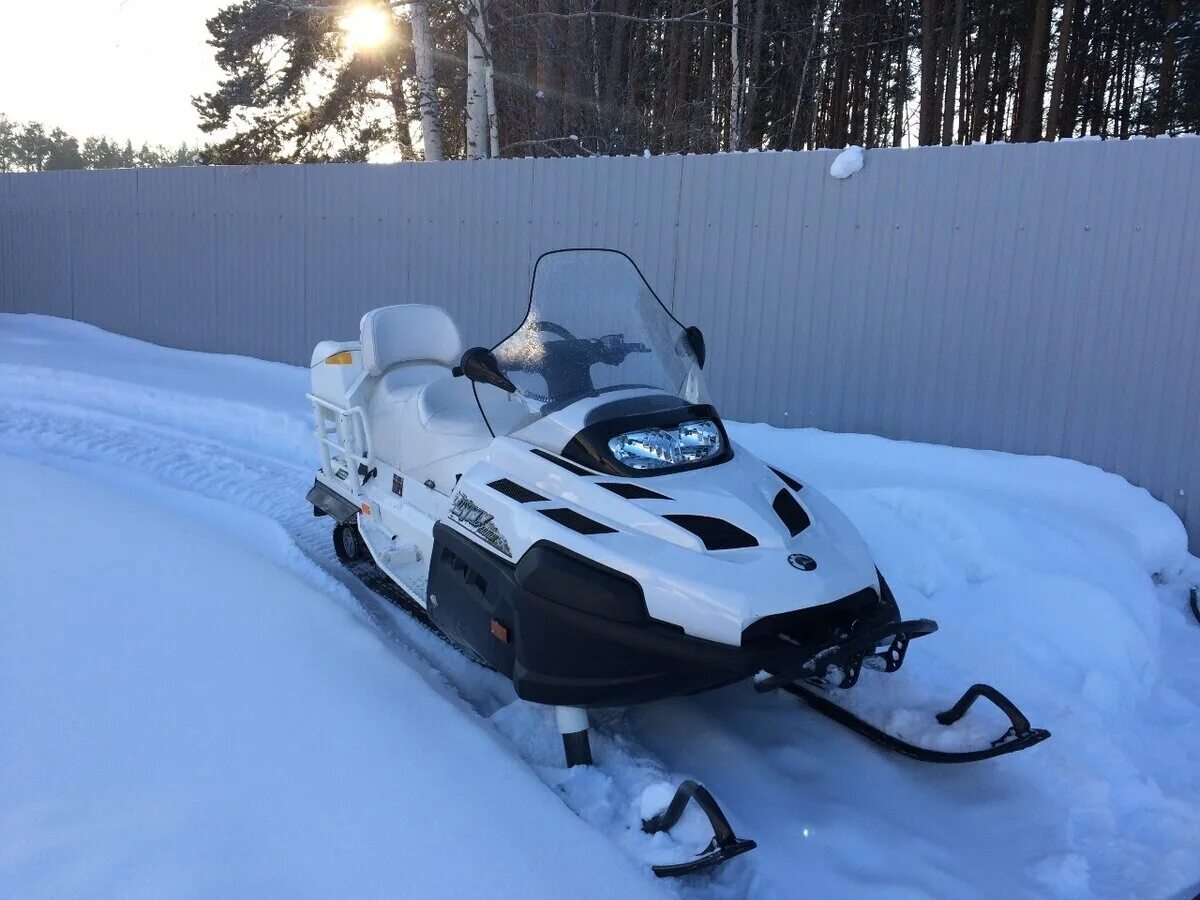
column 126, row 69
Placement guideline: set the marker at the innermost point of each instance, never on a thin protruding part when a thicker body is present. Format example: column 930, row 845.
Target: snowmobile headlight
column 664, row 448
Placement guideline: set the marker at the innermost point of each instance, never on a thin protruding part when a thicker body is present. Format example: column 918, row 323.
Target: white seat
column 406, row 334
column 418, row 413
column 404, row 347
column 387, row 404
column 448, row 406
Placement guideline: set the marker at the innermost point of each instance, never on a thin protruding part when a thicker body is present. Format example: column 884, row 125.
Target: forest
column 504, row 78
column 32, row 147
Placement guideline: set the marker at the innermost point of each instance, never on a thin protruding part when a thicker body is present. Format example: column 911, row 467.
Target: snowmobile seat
column 404, row 347
column 408, row 334
column 447, row 406
column 410, row 350
column 415, row 424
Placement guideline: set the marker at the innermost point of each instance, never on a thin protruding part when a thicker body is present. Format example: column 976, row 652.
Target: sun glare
column 366, row 27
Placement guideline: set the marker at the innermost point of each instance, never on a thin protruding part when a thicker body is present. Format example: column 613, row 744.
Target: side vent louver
column 515, row 491
column 787, row 479
column 576, row 521
column 632, row 491
column 558, row 461
column 790, row 512
column 717, row 534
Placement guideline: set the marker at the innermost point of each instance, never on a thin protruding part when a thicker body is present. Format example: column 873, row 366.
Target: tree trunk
column 705, row 143
column 1035, row 74
column 1166, row 71
column 431, row 126
column 735, row 79
column 927, row 130
column 489, row 81
column 616, row 56
column 1060, row 69
column 756, row 41
column 547, row 97
column 952, row 76
column 901, row 83
column 476, row 108
column 1081, row 36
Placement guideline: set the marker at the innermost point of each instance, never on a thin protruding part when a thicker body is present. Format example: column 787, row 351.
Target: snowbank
column 1063, row 585
column 183, row 718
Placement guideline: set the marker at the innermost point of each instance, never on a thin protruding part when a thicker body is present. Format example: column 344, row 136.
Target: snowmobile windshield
column 594, row 327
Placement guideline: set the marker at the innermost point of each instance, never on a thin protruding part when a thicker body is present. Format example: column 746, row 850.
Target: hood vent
column 568, row 518
column 632, row 491
column 559, row 461
column 791, row 513
column 717, row 534
column 787, row 479
column 515, row 491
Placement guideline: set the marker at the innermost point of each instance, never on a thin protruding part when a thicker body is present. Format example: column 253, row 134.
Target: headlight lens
column 664, row 448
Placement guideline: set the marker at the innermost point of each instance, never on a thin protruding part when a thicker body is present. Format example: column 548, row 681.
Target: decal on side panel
column 478, row 520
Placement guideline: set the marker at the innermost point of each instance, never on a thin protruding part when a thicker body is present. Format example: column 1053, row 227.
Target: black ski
column 1020, row 735
column 724, row 846
column 1195, row 601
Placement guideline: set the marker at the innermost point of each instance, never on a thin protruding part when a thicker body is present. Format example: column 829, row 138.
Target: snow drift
column 184, row 718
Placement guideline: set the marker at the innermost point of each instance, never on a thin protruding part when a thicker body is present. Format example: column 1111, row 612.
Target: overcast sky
column 121, row 68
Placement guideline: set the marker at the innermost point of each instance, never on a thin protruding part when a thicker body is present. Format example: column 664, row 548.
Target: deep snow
column 197, row 701
column 193, row 720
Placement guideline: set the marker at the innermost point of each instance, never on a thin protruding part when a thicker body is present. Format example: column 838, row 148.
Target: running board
column 724, row 846
column 1020, row 736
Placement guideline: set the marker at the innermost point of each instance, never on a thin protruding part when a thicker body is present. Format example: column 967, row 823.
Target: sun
column 366, row 27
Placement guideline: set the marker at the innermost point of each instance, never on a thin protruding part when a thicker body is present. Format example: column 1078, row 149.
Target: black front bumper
column 570, row 632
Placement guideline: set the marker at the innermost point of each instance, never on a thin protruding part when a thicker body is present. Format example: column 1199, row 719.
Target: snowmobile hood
column 714, row 549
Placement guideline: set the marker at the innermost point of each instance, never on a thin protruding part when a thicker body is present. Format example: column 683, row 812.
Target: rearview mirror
column 695, row 338
column 479, row 364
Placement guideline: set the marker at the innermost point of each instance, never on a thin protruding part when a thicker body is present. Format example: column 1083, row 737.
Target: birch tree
column 477, row 104
column 422, row 45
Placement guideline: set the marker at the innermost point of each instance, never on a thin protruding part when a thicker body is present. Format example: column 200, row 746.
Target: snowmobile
column 568, row 509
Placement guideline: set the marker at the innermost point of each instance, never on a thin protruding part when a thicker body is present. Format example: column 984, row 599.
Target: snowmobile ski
column 1019, row 736
column 724, row 846
column 1194, row 597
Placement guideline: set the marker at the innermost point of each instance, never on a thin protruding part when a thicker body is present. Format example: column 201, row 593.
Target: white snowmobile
column 568, row 509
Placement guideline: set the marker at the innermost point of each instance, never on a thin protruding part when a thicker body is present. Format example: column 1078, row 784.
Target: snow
column 192, row 720
column 197, row 701
column 847, row 162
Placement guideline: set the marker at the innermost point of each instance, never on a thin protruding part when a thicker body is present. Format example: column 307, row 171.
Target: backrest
column 408, row 333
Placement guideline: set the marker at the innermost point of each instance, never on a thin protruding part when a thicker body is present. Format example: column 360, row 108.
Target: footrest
column 724, row 846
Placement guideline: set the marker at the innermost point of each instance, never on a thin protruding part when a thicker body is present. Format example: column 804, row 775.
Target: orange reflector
column 340, row 359
column 500, row 631
column 366, row 509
